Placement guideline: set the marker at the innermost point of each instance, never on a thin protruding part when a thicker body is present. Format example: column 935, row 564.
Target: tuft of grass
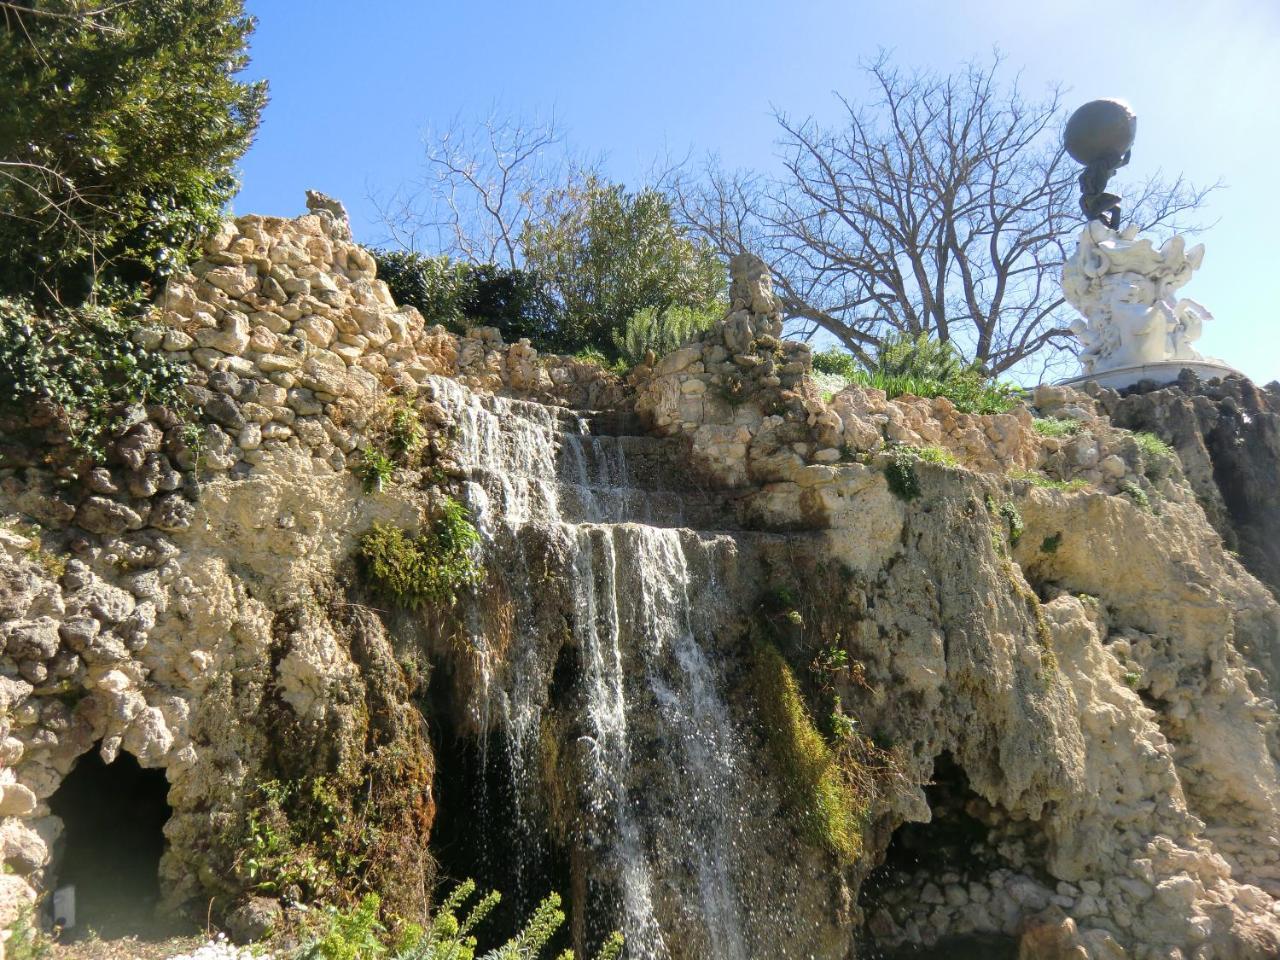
column 816, row 789
column 1035, row 478
column 432, row 568
column 1053, row 427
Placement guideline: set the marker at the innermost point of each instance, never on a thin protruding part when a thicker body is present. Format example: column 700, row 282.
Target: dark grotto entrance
column 923, row 859
column 114, row 816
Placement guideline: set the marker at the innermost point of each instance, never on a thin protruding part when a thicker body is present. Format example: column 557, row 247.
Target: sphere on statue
column 1099, row 130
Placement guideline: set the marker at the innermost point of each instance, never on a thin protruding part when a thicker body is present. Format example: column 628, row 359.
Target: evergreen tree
column 119, row 129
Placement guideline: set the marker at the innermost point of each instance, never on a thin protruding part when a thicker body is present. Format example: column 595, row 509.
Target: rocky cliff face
column 1228, row 439
column 751, row 672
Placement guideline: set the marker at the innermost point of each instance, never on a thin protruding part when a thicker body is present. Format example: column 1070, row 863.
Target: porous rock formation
column 1082, row 665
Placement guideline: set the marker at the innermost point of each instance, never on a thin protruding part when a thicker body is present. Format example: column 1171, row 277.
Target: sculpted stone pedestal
column 1133, row 327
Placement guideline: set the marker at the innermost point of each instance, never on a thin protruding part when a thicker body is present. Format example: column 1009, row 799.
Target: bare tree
column 480, row 185
column 944, row 206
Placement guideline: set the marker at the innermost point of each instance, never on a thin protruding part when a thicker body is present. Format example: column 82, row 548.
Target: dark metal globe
column 1100, row 129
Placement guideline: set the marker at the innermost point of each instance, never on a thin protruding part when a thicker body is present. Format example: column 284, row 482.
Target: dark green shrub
column 84, row 362
column 462, row 295
column 119, row 128
column 900, row 472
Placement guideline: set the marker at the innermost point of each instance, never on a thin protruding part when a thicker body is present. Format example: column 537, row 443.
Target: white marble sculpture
column 1134, row 328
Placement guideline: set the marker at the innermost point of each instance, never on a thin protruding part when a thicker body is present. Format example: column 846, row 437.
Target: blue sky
column 354, row 85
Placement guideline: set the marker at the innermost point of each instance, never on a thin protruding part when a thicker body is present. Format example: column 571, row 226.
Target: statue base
column 1162, row 372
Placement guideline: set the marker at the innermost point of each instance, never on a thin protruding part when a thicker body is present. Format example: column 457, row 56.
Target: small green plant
column 1135, row 493
column 1132, row 680
column 404, row 428
column 1037, row 479
column 1051, row 543
column 431, row 568
column 26, row 940
column 1152, row 446
column 357, row 933
column 900, row 473
column 663, row 329
column 1009, row 511
column 597, row 358
column 1053, row 427
column 1157, row 456
column 375, row 470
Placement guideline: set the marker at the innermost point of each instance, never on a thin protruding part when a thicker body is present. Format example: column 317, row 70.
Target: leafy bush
column 663, row 329
column 1013, row 519
column 119, row 129
column 357, row 934
column 837, row 362
column 82, row 361
column 1053, row 427
column 831, row 812
column 431, row 568
column 605, row 254
column 462, row 295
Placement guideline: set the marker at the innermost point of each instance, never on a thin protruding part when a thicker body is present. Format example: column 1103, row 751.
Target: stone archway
column 113, row 817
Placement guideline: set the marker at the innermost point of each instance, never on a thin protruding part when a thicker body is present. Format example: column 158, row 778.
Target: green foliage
column 829, row 384
column 1157, row 456
column 1009, row 511
column 1038, row 479
column 403, row 428
column 1153, row 447
column 1135, row 493
column 82, row 361
column 280, row 850
column 357, row 934
column 663, row 329
column 26, row 940
column 922, row 367
column 836, row 362
column 1053, row 427
column 431, row 568
column 831, row 813
column 593, row 356
column 920, row 357
column 1051, row 543
column 605, row 254
column 900, row 472
column 1132, row 680
column 375, row 470
column 353, row 934
column 462, row 295
column 119, row 129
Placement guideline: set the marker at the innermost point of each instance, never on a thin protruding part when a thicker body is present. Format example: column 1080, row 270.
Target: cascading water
column 662, row 794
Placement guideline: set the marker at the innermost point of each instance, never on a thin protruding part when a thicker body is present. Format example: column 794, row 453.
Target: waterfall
column 648, row 565
column 662, row 813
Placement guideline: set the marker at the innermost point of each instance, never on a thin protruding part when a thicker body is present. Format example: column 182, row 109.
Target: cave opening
column 936, row 894
column 113, row 817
